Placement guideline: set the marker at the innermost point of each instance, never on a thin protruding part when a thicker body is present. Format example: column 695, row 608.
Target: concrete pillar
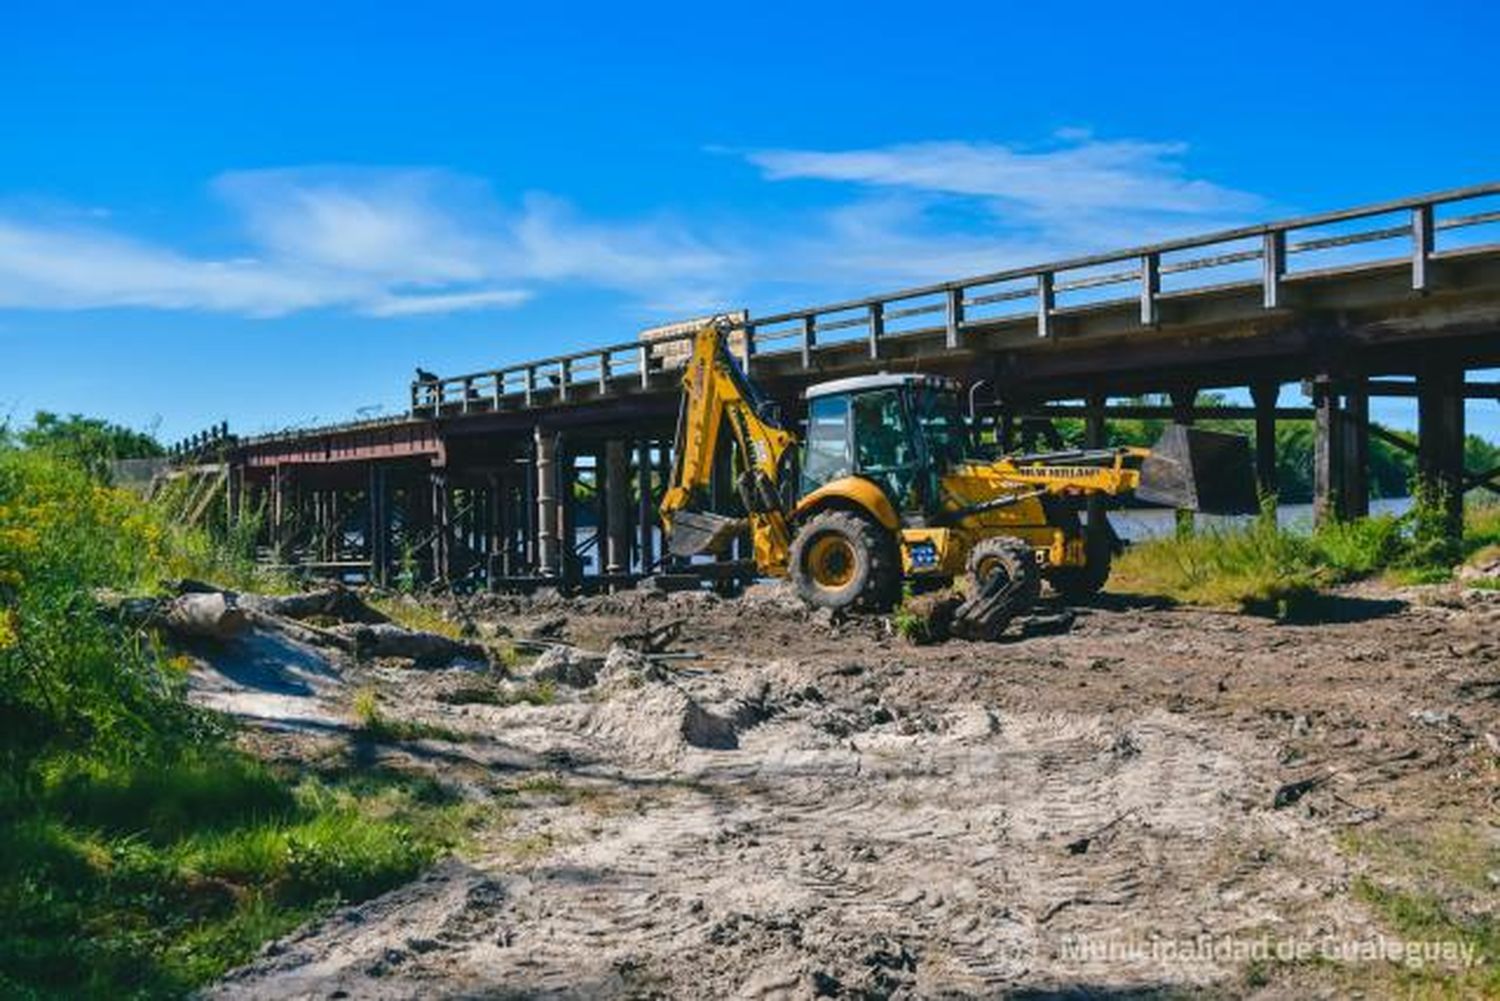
column 646, row 516
column 617, row 507
column 1328, row 452
column 1354, row 450
column 1440, row 441
column 547, row 561
column 1264, row 395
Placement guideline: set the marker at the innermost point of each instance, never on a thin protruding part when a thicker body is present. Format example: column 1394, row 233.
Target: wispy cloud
column 406, row 242
column 1076, row 174
column 447, row 302
column 378, row 242
column 921, row 212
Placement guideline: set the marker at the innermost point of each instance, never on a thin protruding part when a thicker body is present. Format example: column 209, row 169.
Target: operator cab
column 901, row 432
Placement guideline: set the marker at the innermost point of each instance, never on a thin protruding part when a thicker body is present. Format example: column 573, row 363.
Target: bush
column 140, row 855
column 1265, row 568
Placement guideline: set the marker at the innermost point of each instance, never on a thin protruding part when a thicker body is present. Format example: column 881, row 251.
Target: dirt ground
column 1132, row 805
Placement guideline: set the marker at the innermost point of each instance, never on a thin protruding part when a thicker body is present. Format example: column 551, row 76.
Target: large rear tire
column 1076, row 585
column 840, row 560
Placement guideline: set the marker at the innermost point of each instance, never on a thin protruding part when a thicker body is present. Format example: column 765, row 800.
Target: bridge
column 549, row 470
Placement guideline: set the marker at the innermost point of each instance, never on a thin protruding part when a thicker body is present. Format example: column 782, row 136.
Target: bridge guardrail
column 971, row 302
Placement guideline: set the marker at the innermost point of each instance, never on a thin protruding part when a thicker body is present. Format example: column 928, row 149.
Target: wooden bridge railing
column 1402, row 230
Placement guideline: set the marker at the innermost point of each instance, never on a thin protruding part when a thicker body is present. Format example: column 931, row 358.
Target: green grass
column 409, row 613
column 148, row 880
column 1264, row 568
column 141, row 855
column 375, row 725
column 1434, row 888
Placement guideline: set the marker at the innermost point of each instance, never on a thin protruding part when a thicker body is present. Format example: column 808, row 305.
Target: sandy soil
column 820, row 809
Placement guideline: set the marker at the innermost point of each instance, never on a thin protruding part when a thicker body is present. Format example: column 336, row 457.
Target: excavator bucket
column 1198, row 470
column 696, row 532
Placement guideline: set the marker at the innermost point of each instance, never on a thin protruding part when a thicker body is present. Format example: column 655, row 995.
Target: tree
column 87, row 441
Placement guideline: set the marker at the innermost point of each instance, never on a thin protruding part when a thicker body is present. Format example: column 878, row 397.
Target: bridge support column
column 1095, row 436
column 234, row 494
column 1183, row 400
column 280, row 502
column 1354, row 450
column 617, row 503
column 646, row 515
column 498, row 542
column 1264, row 395
column 544, row 493
column 442, row 527
column 1440, row 442
column 378, row 544
column 1328, row 451
column 566, row 512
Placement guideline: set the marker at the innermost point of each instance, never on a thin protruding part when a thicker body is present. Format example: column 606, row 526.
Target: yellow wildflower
column 10, row 633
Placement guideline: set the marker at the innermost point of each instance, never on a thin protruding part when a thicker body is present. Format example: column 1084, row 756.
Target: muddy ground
column 817, row 808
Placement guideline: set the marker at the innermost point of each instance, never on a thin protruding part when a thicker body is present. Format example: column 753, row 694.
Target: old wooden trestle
column 550, row 471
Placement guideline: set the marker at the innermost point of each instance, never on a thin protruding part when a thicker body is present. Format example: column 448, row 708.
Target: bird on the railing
column 425, row 376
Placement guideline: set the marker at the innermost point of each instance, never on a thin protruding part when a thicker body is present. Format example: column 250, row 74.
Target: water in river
column 1150, row 523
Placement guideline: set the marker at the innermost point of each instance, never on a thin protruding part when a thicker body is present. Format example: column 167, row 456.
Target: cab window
column 943, row 427
column 884, row 446
column 826, row 449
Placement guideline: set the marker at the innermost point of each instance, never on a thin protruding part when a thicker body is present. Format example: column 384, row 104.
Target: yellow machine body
column 933, row 506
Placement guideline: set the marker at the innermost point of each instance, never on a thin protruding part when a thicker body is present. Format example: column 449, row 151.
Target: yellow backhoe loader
column 889, row 485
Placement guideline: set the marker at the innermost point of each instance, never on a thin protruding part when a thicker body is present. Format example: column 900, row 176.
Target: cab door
column 885, row 450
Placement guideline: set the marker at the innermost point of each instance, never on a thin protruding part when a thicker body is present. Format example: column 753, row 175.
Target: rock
column 1291, row 792
column 566, row 665
column 1431, row 717
column 546, row 629
column 623, row 665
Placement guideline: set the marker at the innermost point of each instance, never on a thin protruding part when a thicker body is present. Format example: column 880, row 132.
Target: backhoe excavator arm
column 716, row 394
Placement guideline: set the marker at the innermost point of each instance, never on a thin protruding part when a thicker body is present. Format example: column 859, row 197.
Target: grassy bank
column 141, row 854
column 1266, row 568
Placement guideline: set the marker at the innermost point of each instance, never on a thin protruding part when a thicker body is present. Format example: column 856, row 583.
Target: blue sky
column 270, row 215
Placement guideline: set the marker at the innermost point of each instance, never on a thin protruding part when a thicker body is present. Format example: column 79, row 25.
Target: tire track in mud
column 798, row 851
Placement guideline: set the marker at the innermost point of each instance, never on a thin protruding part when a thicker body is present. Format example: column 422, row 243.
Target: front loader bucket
column 1197, row 470
column 695, row 532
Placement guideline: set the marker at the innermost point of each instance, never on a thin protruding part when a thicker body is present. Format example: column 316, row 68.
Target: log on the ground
column 426, row 649
column 332, row 602
column 214, row 616
column 211, row 615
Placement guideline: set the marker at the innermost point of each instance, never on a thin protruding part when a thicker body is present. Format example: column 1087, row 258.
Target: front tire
column 840, row 560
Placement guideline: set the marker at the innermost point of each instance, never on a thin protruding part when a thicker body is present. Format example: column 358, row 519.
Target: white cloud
column 379, row 242
column 450, row 302
column 1079, row 174
column 923, row 212
column 407, row 242
column 81, row 268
